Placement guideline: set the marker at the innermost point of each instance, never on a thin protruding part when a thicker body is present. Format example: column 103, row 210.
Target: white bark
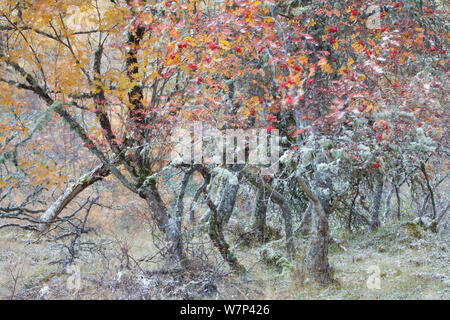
column 70, row 193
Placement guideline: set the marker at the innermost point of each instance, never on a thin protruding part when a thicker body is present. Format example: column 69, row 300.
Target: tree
column 352, row 100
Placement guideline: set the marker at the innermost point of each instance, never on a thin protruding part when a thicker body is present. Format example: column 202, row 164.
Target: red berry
column 433, row 49
column 290, row 100
column 333, row 29
column 212, row 46
column 376, row 165
column 199, row 80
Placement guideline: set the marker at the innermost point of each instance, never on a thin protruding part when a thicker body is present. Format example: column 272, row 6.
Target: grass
column 406, row 271
column 413, row 264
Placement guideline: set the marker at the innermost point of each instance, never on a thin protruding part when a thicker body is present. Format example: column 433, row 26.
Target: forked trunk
column 219, row 217
column 316, row 259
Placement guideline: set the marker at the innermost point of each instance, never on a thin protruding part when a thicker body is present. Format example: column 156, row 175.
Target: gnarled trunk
column 316, row 259
column 220, row 215
column 167, row 224
column 284, row 206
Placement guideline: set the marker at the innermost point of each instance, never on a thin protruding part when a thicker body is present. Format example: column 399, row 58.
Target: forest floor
column 412, row 264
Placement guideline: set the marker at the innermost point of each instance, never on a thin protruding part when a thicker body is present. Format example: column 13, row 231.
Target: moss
column 413, row 230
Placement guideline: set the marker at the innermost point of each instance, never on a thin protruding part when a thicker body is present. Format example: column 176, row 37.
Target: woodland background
column 92, row 91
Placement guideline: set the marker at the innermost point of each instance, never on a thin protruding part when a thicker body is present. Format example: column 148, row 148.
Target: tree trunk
column 260, row 215
column 374, row 214
column 305, row 225
column 218, row 219
column 284, row 206
column 430, row 189
column 165, row 222
column 194, row 202
column 228, row 199
column 387, row 203
column 316, row 259
column 397, row 195
column 218, row 239
column 287, row 217
column 352, row 212
column 98, row 173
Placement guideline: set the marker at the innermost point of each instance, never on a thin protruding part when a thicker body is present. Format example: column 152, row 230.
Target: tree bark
column 215, row 231
column 316, row 258
column 387, row 203
column 374, row 214
column 430, row 189
column 260, row 215
column 284, row 206
column 165, row 222
column 397, row 195
column 194, row 202
column 98, row 173
column 352, row 212
column 305, row 225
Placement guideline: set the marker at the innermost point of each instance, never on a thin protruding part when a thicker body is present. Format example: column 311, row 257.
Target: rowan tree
column 356, row 90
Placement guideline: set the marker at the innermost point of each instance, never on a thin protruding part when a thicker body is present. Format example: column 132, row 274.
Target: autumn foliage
column 357, row 91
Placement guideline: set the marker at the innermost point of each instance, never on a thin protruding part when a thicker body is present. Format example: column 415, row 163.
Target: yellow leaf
column 224, row 44
column 302, row 60
column 350, row 61
column 357, row 47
